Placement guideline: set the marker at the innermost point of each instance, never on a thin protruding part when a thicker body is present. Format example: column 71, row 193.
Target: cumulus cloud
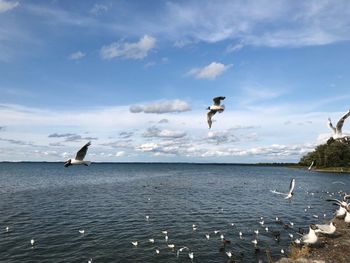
column 158, row 133
column 77, row 55
column 160, row 107
column 137, row 50
column 219, row 137
column 71, row 137
column 127, row 143
column 120, row 154
column 7, row 5
column 210, row 71
column 17, row 142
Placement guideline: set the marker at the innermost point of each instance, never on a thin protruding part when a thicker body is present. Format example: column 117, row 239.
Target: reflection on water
column 110, row 202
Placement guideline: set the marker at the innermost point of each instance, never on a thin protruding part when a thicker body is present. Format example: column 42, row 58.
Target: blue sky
column 135, row 77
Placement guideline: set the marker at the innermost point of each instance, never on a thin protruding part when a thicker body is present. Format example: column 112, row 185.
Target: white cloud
column 210, row 71
column 158, row 133
column 120, row 154
column 138, row 50
column 160, row 107
column 7, row 5
column 77, row 55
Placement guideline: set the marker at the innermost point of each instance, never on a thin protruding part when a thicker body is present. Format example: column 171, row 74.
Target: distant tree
column 334, row 153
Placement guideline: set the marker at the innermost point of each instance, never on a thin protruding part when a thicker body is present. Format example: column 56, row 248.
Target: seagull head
column 208, row 108
column 68, row 163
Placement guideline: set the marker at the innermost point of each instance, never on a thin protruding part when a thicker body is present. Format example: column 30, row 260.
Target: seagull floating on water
column 216, row 107
column 79, row 158
column 32, row 242
column 290, row 193
column 135, row 243
column 337, row 130
column 81, row 231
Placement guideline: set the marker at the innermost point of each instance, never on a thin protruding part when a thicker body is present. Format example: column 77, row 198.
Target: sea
column 116, row 204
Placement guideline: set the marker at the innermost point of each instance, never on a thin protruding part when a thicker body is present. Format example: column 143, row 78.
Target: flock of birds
column 307, row 239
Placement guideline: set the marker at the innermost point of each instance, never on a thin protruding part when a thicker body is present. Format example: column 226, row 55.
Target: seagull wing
column 209, row 115
column 330, row 125
column 341, row 121
column 217, row 100
column 334, row 200
column 291, row 186
column 82, row 152
column 279, row 193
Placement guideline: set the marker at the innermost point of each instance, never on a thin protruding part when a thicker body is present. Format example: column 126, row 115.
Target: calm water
column 51, row 204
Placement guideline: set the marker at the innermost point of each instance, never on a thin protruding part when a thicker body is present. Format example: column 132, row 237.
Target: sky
column 135, row 79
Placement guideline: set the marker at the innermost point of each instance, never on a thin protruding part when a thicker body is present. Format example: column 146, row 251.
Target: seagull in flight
column 337, row 130
column 79, row 158
column 216, row 107
column 290, row 193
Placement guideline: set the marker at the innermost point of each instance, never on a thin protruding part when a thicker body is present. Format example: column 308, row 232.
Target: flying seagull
column 337, row 130
column 216, row 107
column 290, row 193
column 79, row 158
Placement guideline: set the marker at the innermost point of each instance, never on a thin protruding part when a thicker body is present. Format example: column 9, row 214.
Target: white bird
column 347, row 215
column 7, row 229
column 222, row 237
column 90, row 260
column 172, row 246
column 32, row 242
column 337, row 130
column 240, row 234
column 290, row 193
column 207, row 236
column 312, row 164
column 166, row 238
column 290, row 235
column 165, row 232
column 180, row 250
column 216, row 231
column 282, row 251
column 82, row 231
column 216, row 107
column 261, row 222
column 79, row 158
column 147, row 218
column 151, row 240
column 157, row 251
column 342, row 206
column 190, row 255
column 328, row 229
column 135, row 243
column 266, row 229
column 256, row 232
column 229, row 254
column 311, row 237
column 255, row 242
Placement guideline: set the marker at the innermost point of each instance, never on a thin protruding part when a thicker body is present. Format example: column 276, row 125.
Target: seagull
column 240, row 234
column 172, row 246
column 151, row 240
column 337, row 130
column 79, row 158
column 82, row 231
column 207, row 236
column 347, row 215
column 191, row 256
column 342, row 206
column 312, row 164
column 135, row 243
column 32, row 242
column 166, row 238
column 216, row 107
column 7, row 229
column 180, row 250
column 157, row 251
column 328, row 229
column 147, row 218
column 255, row 242
column 229, row 254
column 290, row 193
column 311, row 237
column 90, row 260
column 256, row 232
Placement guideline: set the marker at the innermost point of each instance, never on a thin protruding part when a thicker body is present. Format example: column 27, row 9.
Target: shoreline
column 329, row 249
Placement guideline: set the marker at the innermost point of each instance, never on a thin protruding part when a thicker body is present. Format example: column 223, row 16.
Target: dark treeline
column 334, row 153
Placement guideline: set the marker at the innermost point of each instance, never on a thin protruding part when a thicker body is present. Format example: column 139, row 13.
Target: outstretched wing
column 217, row 100
column 209, row 115
column 291, row 186
column 82, row 152
column 330, row 125
column 341, row 121
column 279, row 193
